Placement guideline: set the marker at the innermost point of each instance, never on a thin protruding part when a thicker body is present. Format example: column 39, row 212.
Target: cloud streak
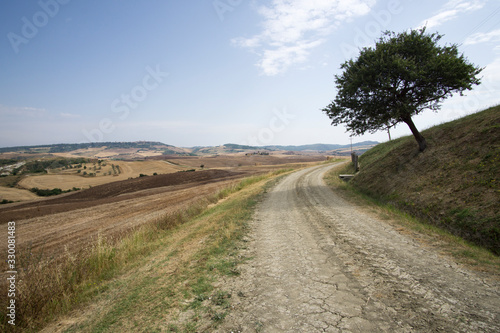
column 291, row 29
column 451, row 10
column 483, row 37
column 22, row 111
column 69, row 115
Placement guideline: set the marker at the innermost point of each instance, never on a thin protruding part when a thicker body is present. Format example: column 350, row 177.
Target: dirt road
column 321, row 264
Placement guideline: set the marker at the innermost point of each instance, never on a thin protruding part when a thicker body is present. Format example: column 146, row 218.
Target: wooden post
column 354, row 158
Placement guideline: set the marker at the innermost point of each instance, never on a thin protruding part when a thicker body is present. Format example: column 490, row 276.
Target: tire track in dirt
column 320, row 264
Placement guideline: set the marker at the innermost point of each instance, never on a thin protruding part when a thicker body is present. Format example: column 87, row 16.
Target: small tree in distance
column 403, row 75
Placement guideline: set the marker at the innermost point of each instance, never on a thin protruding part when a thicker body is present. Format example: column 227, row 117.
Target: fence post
column 354, row 158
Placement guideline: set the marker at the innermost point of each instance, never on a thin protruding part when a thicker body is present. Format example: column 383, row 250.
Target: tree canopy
column 403, row 75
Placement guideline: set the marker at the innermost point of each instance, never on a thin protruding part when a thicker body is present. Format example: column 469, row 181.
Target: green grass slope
column 453, row 184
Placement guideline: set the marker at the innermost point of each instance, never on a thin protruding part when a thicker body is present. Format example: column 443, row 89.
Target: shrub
column 46, row 193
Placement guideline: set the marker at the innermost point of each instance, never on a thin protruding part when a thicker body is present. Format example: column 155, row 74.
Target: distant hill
column 330, row 149
column 228, row 148
column 65, row 147
column 118, row 150
column 323, row 147
column 453, row 184
column 141, row 149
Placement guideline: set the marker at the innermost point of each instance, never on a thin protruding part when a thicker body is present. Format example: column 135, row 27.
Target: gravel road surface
column 322, row 264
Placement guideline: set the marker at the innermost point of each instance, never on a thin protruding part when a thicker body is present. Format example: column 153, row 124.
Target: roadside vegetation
column 162, row 269
column 452, row 188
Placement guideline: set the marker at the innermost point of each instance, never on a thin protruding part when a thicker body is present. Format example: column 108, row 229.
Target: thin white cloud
column 492, row 72
column 292, row 28
column 279, row 59
column 22, row 111
column 69, row 115
column 451, row 10
column 483, row 37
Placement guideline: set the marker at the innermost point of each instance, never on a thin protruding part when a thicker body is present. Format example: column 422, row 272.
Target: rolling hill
column 143, row 149
column 453, row 184
column 326, row 147
column 136, row 150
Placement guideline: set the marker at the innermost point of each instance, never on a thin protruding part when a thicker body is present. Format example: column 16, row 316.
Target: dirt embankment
column 453, row 184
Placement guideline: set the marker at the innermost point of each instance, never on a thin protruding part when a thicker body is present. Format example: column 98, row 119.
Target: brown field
column 239, row 160
column 123, row 153
column 70, row 221
column 15, row 194
column 67, row 179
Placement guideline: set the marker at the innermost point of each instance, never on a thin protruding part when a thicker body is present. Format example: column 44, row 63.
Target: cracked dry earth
column 320, row 264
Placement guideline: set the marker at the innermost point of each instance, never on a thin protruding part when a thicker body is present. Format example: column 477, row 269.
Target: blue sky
column 210, row 72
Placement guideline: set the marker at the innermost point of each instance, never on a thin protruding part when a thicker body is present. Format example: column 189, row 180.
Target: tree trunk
column 422, row 144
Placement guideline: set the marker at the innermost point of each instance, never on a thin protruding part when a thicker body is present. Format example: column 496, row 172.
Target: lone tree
column 403, row 75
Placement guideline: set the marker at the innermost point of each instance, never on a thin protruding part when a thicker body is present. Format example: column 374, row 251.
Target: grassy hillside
column 454, row 184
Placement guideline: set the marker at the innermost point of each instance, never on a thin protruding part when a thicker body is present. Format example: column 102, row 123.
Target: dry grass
column 240, row 160
column 15, row 194
column 67, row 179
column 48, row 288
column 48, row 230
column 453, row 184
column 463, row 252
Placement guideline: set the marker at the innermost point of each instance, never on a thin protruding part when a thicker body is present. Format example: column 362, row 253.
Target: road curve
column 319, row 264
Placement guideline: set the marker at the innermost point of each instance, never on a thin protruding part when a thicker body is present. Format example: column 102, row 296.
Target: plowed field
column 70, row 221
column 232, row 161
column 128, row 169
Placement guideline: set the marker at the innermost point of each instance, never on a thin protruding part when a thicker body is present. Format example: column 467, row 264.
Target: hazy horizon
column 248, row 72
column 195, row 146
